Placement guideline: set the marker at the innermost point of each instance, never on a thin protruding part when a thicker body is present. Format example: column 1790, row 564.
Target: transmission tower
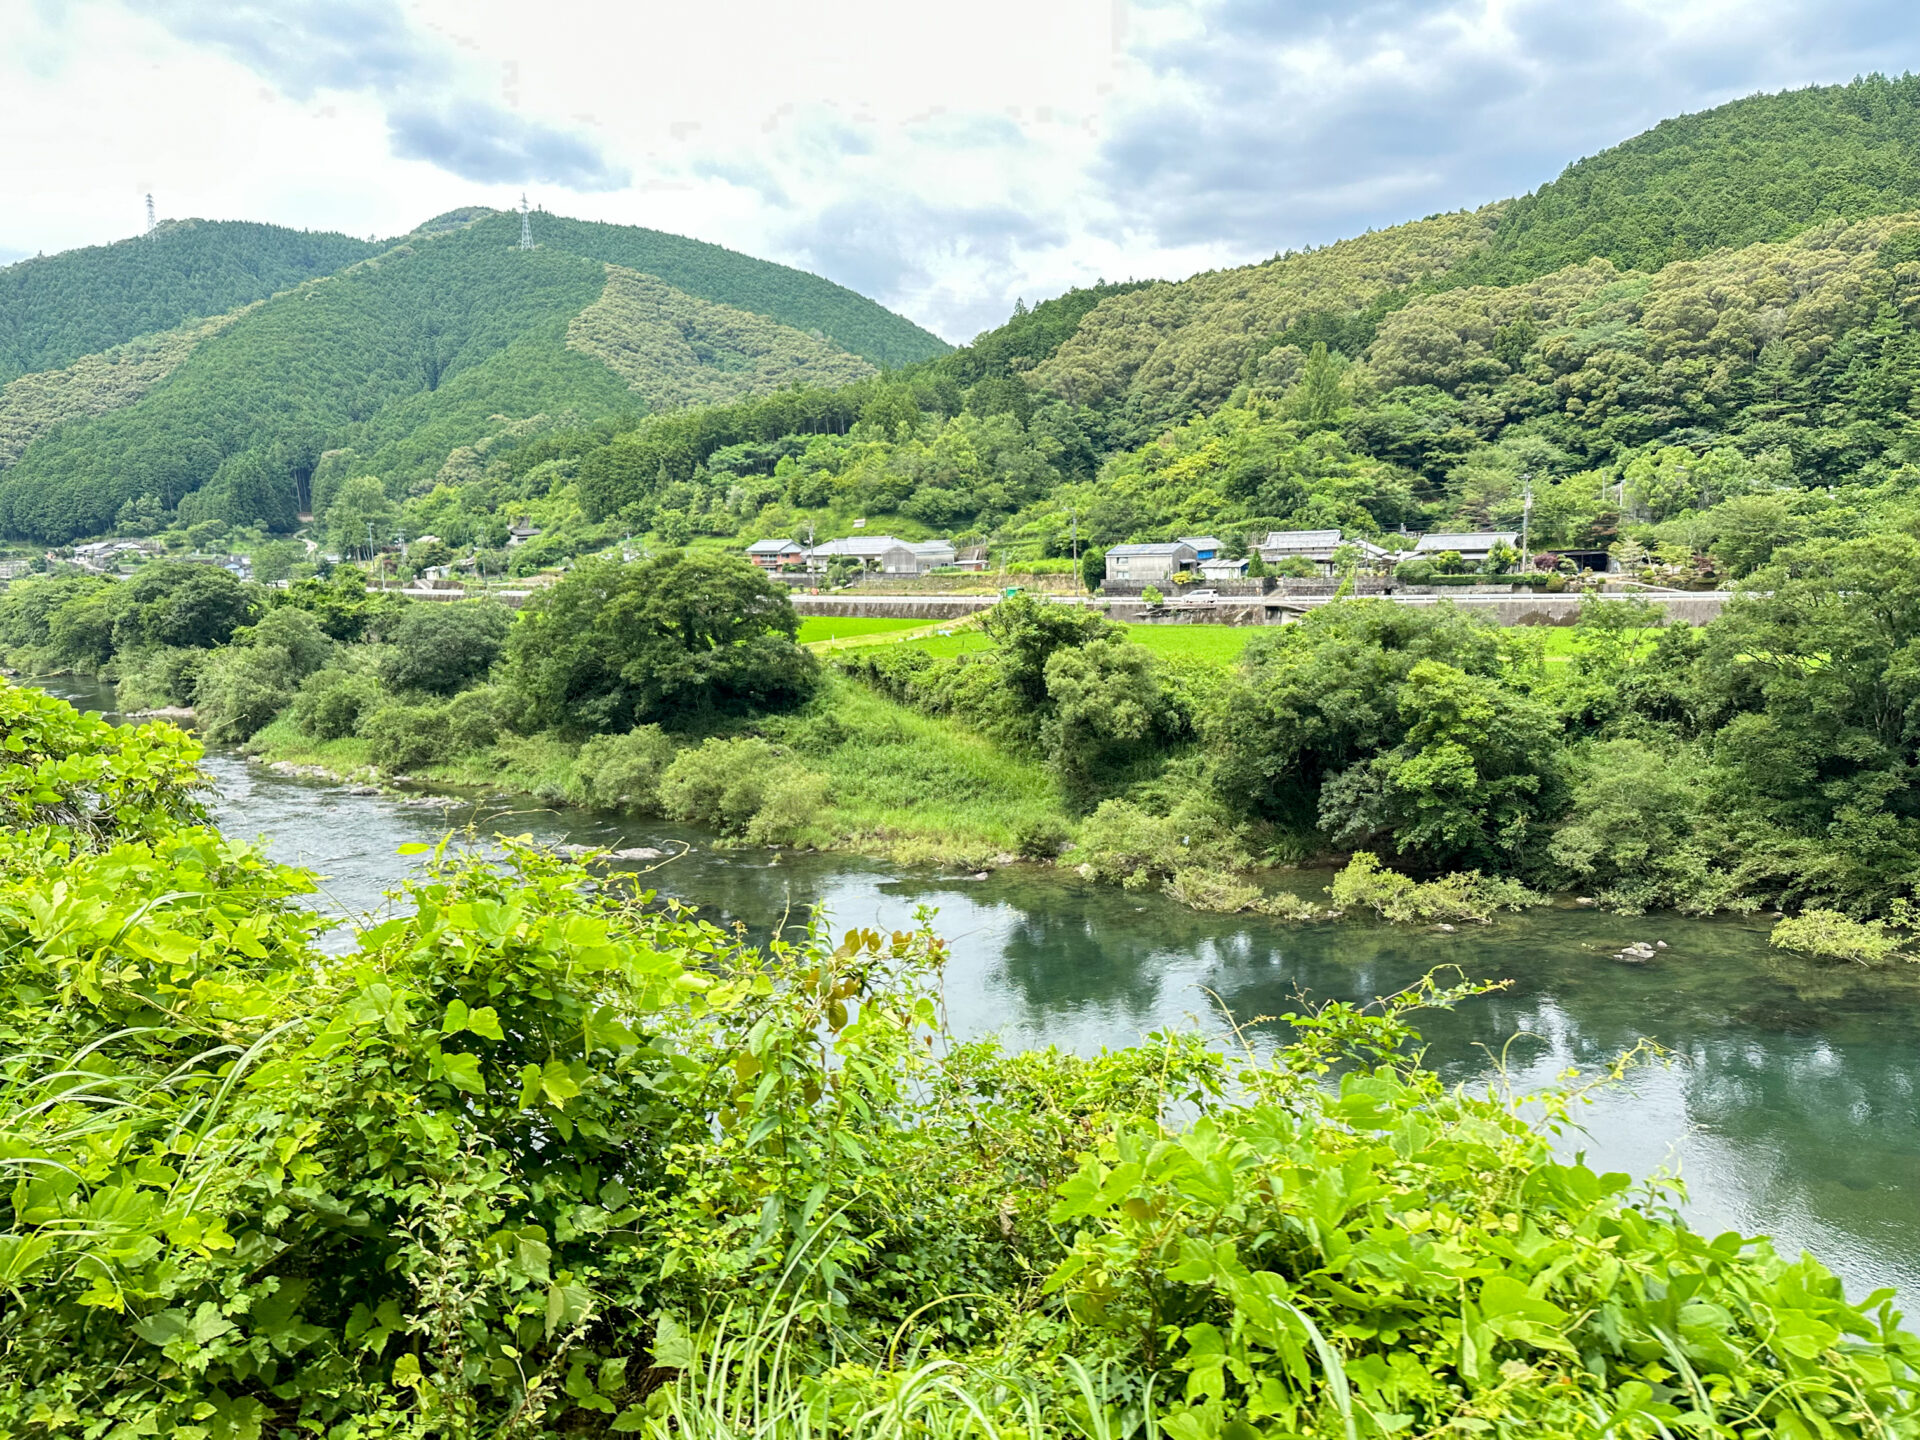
column 151, row 222
column 526, row 224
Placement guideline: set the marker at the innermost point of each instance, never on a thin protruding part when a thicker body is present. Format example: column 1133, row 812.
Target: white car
column 1200, row 597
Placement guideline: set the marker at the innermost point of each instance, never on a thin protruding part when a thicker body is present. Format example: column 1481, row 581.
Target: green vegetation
column 1692, row 415
column 793, row 298
column 684, row 636
column 396, row 360
column 1829, row 935
column 544, row 1156
column 391, row 366
column 841, row 627
column 55, row 309
column 1759, row 169
column 1755, row 761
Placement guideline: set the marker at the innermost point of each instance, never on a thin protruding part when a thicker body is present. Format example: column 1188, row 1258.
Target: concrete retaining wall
column 1504, row 608
column 893, row 607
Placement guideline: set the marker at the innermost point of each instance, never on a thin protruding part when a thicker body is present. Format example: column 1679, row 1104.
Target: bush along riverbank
column 545, row 1156
column 1758, row 763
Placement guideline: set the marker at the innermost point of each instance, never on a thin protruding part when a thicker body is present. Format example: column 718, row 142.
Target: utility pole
column 151, row 222
column 1526, row 515
column 1079, row 584
column 526, row 224
column 369, row 542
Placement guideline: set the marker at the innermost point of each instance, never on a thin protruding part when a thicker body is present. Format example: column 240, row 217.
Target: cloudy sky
column 944, row 160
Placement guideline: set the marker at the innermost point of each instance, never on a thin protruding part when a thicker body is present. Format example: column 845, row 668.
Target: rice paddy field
column 1220, row 644
column 843, row 627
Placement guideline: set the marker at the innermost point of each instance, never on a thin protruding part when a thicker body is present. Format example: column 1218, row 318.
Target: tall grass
column 745, row 1383
column 925, row 788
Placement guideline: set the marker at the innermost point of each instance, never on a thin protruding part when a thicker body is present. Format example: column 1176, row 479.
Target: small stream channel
column 1790, row 1104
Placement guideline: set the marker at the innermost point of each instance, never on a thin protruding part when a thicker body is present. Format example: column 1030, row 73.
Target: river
column 1789, row 1101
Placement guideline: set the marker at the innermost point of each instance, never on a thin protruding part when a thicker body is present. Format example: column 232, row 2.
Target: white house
column 1137, row 564
column 1221, row 568
column 1472, row 546
column 885, row 553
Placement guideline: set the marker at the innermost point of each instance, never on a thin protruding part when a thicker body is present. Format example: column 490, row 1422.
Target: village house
column 1221, row 568
column 886, row 553
column 1205, row 547
column 1317, row 547
column 775, row 554
column 1472, row 546
column 1140, row 564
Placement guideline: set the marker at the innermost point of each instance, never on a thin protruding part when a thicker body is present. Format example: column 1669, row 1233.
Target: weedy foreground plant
column 549, row 1156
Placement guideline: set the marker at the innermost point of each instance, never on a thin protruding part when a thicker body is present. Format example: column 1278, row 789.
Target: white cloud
column 943, row 160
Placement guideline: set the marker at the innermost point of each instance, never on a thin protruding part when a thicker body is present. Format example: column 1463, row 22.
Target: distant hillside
column 711, row 272
column 1761, row 169
column 1758, row 169
column 1157, row 354
column 58, row 308
column 396, row 361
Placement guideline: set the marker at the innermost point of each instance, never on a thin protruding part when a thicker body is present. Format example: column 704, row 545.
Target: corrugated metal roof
column 770, row 547
column 860, row 546
column 1171, row 547
column 1467, row 540
column 1300, row 539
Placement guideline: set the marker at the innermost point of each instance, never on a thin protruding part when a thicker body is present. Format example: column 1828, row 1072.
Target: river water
column 1788, row 1102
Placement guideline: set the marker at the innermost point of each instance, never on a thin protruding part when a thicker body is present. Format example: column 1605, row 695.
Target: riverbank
column 902, row 786
column 1788, row 1108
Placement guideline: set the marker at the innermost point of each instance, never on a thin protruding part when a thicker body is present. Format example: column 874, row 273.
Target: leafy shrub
column 330, row 703
column 406, row 737
column 743, row 788
column 1463, row 895
column 1041, row 838
column 437, row 646
column 622, row 772
column 792, row 802
column 1122, row 844
column 162, row 677
column 891, row 669
column 295, row 632
column 1829, row 935
column 1200, row 889
column 528, row 1224
column 1152, row 596
column 477, row 718
column 239, row 689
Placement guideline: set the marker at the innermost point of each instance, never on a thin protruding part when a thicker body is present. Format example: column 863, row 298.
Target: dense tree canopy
column 404, row 359
column 671, row 639
column 54, row 309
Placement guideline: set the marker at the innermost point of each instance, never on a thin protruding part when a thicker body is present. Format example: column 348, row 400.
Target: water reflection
column 1790, row 1103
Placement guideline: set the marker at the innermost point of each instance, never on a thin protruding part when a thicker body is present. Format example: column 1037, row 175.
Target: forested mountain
column 398, row 360
column 1717, row 313
column 848, row 320
column 1762, row 168
column 57, row 308
column 1707, row 408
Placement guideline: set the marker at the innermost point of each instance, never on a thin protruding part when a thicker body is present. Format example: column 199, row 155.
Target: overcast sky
column 941, row 159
